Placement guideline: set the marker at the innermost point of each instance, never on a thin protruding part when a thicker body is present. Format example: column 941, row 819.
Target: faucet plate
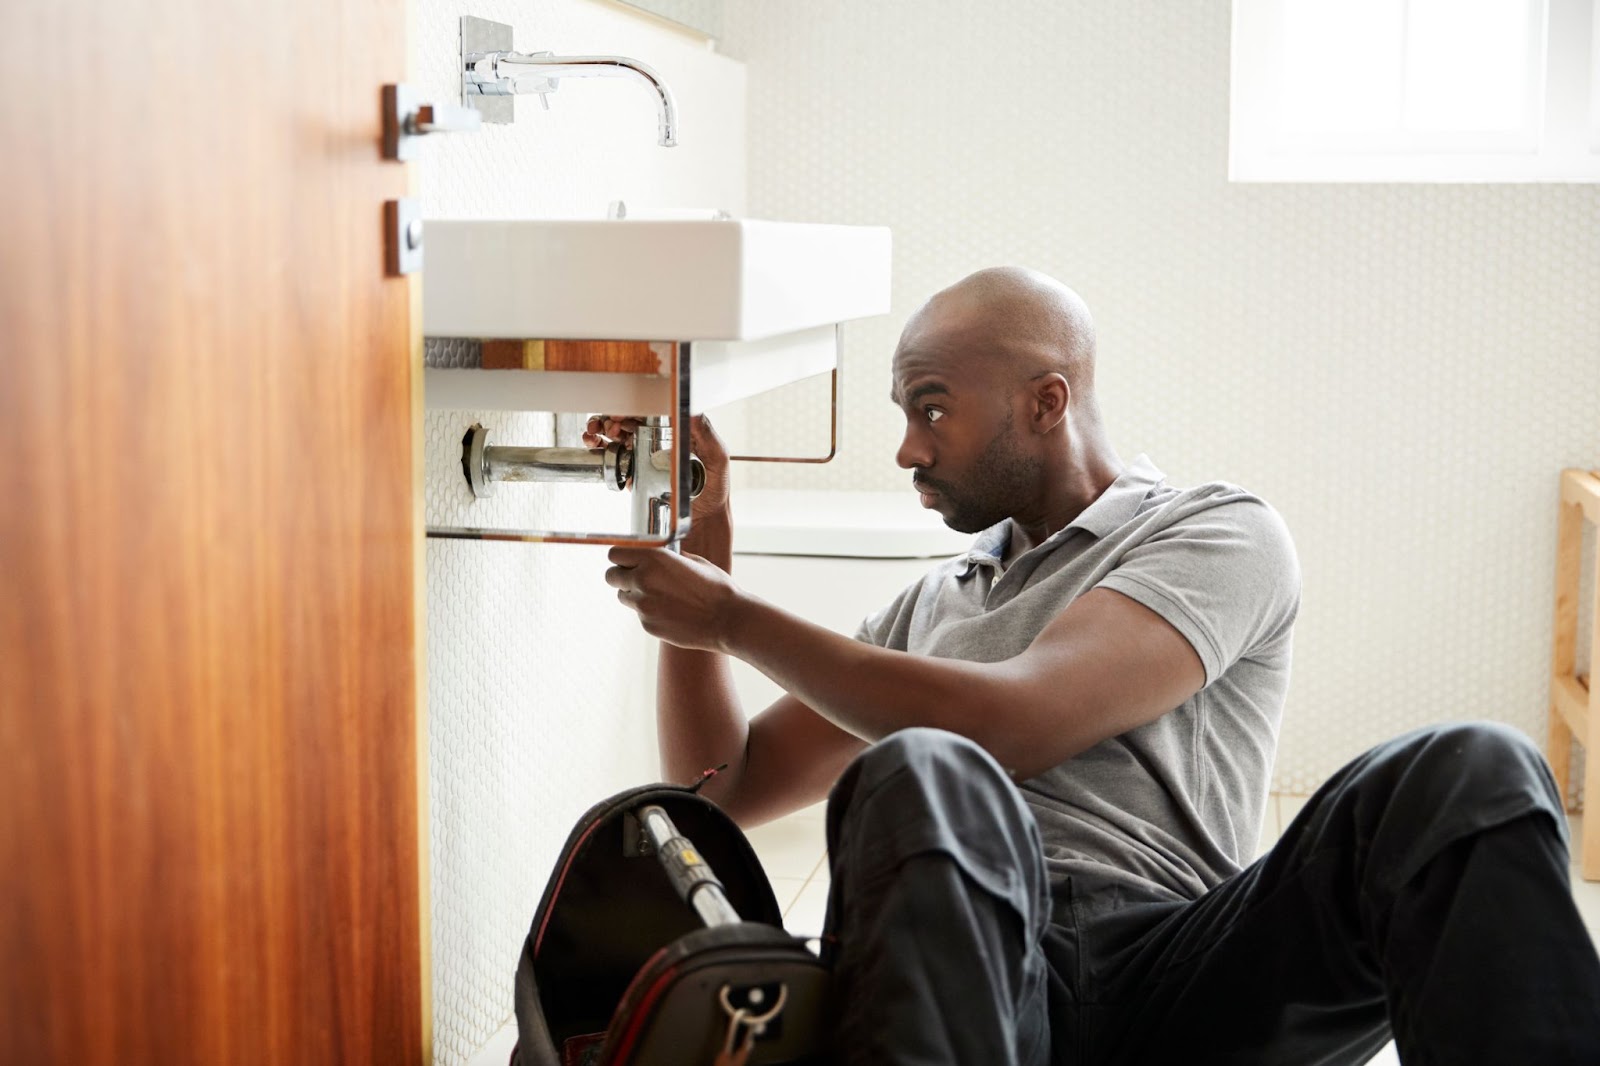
column 483, row 35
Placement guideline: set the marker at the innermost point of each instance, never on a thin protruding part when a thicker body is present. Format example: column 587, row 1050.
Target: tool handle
column 693, row 879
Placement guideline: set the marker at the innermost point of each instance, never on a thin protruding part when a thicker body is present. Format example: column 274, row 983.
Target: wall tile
column 1400, row 369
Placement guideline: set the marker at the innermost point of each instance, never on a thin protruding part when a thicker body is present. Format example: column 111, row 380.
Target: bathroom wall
column 1401, row 370
column 540, row 687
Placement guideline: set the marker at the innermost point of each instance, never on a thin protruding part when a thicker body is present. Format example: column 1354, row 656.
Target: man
column 1046, row 762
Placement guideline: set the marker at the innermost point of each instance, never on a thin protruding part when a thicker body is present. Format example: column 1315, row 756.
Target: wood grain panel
column 606, row 357
column 208, row 539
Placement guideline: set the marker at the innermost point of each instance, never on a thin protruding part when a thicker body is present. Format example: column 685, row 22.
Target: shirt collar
column 1121, row 499
column 990, row 546
column 1109, row 511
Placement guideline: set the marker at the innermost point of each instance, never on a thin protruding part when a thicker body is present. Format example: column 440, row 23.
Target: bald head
column 995, row 379
column 1019, row 321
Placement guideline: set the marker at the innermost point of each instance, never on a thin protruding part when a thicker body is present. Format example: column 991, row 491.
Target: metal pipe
column 662, row 461
column 646, row 468
column 504, row 463
column 487, row 464
column 650, row 481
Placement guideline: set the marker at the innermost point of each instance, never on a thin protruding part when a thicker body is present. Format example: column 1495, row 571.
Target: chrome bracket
column 834, row 402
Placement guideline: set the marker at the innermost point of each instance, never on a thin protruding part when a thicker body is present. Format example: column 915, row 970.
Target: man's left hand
column 681, row 599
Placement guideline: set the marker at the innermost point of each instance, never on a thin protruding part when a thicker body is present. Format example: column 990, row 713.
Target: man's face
column 961, row 443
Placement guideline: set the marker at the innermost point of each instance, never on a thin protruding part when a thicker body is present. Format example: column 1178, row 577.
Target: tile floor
column 793, row 851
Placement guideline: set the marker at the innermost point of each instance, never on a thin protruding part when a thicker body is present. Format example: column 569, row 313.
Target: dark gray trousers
column 1422, row 893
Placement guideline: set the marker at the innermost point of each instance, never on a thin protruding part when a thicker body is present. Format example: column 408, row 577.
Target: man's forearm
column 866, row 690
column 699, row 721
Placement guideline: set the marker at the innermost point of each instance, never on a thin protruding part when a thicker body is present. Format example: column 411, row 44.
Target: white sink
column 667, row 280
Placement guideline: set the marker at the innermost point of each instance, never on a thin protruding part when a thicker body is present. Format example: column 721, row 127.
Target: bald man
column 1046, row 761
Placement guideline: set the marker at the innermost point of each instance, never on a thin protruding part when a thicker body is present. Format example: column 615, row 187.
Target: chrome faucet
column 518, row 73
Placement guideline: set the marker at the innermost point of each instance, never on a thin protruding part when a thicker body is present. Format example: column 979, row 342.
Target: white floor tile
column 817, row 812
column 1575, row 838
column 787, row 890
column 1387, row 1057
column 790, row 846
column 1586, row 894
column 806, row 915
column 497, row 1052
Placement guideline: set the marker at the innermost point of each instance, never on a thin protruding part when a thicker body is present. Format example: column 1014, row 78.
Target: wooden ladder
column 1573, row 707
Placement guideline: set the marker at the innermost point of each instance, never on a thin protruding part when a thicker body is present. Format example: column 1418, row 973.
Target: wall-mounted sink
column 760, row 301
column 649, row 280
column 649, row 317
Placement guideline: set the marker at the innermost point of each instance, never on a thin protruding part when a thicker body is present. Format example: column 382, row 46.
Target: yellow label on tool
column 689, row 857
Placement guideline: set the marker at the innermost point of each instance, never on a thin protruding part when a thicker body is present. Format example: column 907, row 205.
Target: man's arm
column 786, row 757
column 1103, row 666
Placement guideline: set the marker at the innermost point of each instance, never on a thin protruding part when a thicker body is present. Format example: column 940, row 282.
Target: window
column 1415, row 90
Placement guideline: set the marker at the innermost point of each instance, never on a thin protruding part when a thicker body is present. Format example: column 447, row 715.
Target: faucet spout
column 500, row 74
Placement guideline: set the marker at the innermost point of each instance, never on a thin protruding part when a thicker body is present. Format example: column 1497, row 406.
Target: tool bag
column 638, row 955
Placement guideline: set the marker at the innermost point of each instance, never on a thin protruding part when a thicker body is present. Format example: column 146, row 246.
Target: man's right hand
column 712, row 503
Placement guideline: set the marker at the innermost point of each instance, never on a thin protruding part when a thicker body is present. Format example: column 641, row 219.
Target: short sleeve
column 881, row 626
column 870, row 631
column 1222, row 571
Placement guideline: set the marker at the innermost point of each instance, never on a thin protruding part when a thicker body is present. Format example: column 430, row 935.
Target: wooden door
column 209, row 539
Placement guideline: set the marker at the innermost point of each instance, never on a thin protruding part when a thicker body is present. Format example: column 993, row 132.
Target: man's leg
column 1424, row 887
column 936, row 908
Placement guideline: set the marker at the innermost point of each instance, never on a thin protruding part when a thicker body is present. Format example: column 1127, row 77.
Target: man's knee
column 917, row 771
column 922, row 750
column 1419, row 793
column 1485, row 763
column 926, row 790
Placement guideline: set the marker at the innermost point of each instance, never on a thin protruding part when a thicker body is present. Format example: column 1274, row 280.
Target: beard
column 1002, row 481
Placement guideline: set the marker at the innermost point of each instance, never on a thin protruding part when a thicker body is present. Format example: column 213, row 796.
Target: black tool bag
column 638, row 955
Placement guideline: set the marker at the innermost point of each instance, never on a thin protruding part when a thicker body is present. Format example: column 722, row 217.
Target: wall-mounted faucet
column 490, row 69
column 645, row 468
column 519, row 73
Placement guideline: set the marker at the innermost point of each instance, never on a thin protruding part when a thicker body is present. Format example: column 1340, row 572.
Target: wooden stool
column 1573, row 706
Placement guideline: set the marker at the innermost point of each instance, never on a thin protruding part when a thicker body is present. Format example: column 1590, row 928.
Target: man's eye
column 933, row 414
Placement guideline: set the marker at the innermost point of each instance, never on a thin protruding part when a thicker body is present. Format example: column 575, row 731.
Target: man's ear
column 1049, row 395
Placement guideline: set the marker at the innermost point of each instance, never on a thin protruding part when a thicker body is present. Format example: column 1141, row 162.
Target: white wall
column 540, row 687
column 1401, row 370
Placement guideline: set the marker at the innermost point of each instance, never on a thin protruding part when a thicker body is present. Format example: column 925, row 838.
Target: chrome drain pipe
column 615, row 466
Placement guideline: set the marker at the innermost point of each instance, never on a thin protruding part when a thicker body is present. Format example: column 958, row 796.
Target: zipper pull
column 705, row 775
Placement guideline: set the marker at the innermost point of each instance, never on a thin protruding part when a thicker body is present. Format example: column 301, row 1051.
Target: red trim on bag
column 641, row 1010
column 560, row 880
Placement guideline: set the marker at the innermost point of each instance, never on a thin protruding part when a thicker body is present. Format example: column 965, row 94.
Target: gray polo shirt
column 1175, row 803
